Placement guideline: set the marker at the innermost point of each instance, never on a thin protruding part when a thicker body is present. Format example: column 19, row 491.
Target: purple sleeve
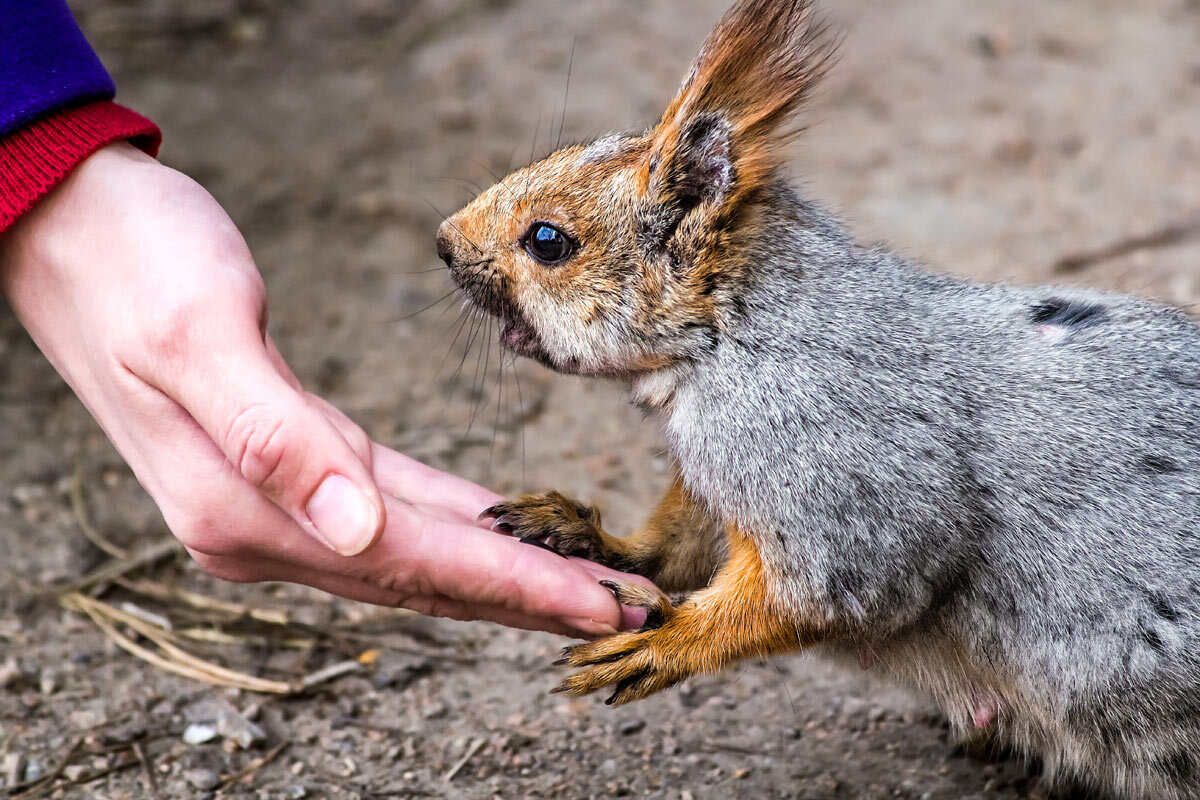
column 45, row 63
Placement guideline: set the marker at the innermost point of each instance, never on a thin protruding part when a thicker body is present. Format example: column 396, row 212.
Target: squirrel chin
column 518, row 337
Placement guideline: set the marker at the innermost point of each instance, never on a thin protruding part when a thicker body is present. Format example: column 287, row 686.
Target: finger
column 481, row 569
column 415, row 482
column 364, row 592
column 280, row 365
column 355, row 436
column 278, row 441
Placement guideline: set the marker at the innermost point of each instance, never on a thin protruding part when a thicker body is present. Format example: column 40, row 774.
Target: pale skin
column 141, row 292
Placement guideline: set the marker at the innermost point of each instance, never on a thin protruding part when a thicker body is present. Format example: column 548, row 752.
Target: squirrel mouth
column 519, row 337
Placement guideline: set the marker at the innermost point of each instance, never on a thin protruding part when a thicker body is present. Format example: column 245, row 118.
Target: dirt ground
column 988, row 139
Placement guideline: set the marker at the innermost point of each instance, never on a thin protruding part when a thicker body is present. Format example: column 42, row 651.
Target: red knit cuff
column 36, row 158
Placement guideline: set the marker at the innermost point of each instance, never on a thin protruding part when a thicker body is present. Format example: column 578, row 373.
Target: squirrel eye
column 547, row 244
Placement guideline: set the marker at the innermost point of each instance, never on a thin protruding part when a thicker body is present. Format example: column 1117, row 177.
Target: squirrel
column 990, row 494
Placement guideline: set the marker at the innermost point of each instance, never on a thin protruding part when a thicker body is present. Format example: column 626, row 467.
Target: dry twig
column 173, row 659
column 106, row 573
column 1163, row 237
column 152, row 782
column 254, row 766
column 462, row 762
column 79, row 508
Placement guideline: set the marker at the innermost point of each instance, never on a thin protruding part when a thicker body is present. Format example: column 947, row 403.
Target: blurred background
column 1019, row 140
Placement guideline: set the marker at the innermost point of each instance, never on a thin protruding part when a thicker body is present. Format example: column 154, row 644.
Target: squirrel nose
column 445, row 248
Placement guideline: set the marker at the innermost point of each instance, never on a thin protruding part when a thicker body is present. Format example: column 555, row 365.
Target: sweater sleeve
column 56, row 104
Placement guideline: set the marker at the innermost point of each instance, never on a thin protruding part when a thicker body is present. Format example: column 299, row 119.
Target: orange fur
column 679, row 547
column 734, row 618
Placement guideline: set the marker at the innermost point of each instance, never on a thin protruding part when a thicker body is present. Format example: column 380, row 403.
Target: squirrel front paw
column 636, row 664
column 733, row 618
column 556, row 522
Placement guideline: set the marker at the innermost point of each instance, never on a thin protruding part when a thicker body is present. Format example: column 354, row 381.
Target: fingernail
column 632, row 618
column 342, row 515
column 589, row 625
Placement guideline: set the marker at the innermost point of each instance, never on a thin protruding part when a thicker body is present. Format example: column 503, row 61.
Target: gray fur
column 1003, row 512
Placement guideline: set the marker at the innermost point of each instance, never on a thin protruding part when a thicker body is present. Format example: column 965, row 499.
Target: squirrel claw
column 500, row 521
column 538, row 542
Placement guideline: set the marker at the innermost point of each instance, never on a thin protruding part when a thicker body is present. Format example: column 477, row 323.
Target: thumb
column 281, row 444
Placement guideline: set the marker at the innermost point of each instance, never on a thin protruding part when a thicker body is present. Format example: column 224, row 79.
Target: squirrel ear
column 719, row 133
column 700, row 170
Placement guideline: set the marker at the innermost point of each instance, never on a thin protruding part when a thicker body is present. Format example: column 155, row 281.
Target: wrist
column 75, row 218
column 38, row 157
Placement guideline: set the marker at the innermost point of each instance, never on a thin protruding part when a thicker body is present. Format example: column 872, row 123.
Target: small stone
column 741, row 773
column 436, row 711
column 237, row 728
column 296, row 792
column 33, row 771
column 631, row 726
column 993, row 45
column 14, row 766
column 203, row 779
column 85, row 719
column 247, row 30
column 397, row 672
column 199, row 733
column 10, row 673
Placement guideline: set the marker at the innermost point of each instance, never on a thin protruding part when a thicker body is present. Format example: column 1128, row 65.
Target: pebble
column 296, row 792
column 210, row 718
column 631, row 726
column 203, row 779
column 33, row 771
column 10, row 673
column 74, row 772
column 13, row 765
column 198, row 733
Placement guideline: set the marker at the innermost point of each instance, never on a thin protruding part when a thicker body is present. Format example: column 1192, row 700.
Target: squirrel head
column 621, row 257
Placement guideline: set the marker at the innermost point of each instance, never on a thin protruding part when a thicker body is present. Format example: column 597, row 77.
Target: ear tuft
column 718, row 136
column 757, row 66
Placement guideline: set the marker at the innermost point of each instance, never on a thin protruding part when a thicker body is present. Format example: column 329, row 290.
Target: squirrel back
column 995, row 490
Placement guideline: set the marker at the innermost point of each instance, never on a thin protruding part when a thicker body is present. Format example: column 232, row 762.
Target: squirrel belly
column 1005, row 519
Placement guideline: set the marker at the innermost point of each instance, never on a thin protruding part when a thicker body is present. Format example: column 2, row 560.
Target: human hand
column 140, row 290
